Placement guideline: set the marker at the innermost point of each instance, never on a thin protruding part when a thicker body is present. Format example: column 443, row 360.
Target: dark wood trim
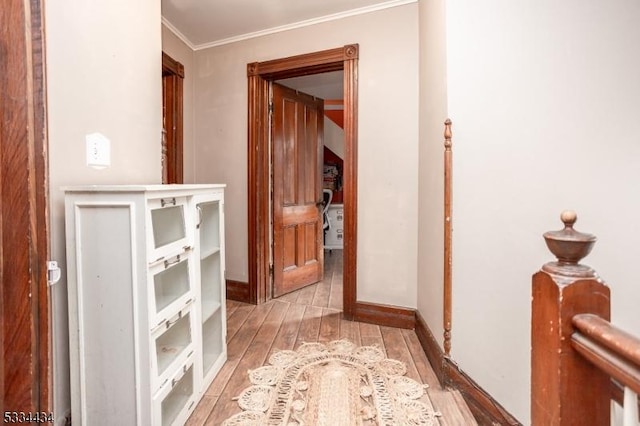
column 430, row 346
column 386, row 315
column 259, row 74
column 25, row 375
column 486, row 410
column 238, row 291
column 258, row 182
column 350, row 180
column 173, row 103
column 171, row 65
column 447, row 287
column 307, row 64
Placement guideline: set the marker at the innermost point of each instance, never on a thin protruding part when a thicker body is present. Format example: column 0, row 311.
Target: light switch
column 98, row 151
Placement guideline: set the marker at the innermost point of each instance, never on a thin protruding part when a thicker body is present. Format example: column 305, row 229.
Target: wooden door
column 24, row 294
column 297, row 129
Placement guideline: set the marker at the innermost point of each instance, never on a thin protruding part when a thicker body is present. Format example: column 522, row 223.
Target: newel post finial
column 559, row 376
column 569, row 246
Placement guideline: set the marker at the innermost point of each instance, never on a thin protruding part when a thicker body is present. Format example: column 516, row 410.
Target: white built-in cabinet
column 334, row 237
column 145, row 276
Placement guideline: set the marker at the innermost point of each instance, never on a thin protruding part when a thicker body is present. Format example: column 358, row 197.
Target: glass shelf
column 171, row 343
column 209, row 226
column 212, row 344
column 171, row 284
column 211, row 251
column 210, row 279
column 209, row 308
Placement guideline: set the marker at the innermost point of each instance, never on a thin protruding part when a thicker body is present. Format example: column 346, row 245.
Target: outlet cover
column 98, row 151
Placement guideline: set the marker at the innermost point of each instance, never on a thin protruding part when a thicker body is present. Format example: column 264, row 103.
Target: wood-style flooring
column 312, row 314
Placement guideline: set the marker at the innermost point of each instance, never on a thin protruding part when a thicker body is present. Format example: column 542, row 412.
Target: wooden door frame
column 25, row 346
column 259, row 75
column 172, row 100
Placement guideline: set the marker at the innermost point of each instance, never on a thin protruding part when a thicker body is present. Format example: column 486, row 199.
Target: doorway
column 260, row 74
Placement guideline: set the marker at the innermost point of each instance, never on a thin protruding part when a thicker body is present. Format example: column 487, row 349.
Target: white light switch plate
column 98, row 151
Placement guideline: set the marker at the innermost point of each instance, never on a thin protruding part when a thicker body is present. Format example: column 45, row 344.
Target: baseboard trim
column 430, row 347
column 238, row 291
column 486, row 410
column 385, row 315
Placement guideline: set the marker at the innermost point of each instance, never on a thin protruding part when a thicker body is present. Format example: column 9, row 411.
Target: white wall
column 387, row 132
column 182, row 53
column 103, row 75
column 545, row 100
column 334, row 137
column 433, row 112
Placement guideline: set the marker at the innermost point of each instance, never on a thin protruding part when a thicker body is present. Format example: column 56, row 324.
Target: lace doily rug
column 332, row 384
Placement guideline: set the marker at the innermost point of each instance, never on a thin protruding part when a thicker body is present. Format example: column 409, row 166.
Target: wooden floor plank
column 232, row 305
column 322, row 294
column 290, row 297
column 350, row 330
column 397, row 349
column 288, row 333
column 236, row 319
column 426, row 372
column 335, row 294
column 305, row 295
column 330, row 325
column 309, row 326
column 202, row 411
column 370, row 335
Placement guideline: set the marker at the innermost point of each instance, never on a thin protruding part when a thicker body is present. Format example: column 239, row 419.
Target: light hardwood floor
column 312, row 314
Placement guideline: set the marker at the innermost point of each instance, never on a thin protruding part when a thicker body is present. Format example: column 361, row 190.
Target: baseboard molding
column 385, row 315
column 238, row 291
column 486, row 410
column 430, row 347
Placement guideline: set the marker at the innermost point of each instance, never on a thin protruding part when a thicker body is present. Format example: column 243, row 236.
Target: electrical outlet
column 98, row 151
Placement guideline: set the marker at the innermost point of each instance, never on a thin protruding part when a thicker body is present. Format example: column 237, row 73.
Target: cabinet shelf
column 212, row 342
column 171, row 284
column 210, row 252
column 172, row 342
column 209, row 307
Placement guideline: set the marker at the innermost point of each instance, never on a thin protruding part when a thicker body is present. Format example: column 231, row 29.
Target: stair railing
column 577, row 356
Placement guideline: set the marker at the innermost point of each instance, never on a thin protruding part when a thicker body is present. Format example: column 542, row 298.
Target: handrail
column 609, row 348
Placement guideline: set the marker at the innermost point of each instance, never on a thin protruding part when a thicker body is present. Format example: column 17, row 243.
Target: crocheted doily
column 332, row 384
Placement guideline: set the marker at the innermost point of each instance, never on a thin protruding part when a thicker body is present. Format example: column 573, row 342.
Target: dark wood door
column 24, row 301
column 297, row 129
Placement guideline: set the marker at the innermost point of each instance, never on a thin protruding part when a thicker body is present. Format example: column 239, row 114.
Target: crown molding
column 305, row 23
column 177, row 33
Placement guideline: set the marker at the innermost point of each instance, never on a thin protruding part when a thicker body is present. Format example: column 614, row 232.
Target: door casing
column 25, row 338
column 259, row 75
column 172, row 118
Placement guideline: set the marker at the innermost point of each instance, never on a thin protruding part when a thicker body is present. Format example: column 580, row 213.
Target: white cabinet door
column 209, row 239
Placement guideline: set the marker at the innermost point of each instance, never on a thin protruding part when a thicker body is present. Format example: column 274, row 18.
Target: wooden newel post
column 565, row 388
